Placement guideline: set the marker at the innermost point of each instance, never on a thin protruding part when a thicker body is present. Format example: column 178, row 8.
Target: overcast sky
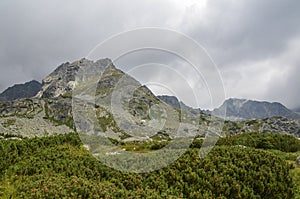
column 254, row 43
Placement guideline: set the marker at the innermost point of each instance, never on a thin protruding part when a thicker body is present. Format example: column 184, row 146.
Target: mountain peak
column 247, row 109
column 26, row 90
column 61, row 81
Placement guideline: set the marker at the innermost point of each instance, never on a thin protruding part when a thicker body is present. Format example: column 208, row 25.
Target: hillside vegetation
column 60, row 167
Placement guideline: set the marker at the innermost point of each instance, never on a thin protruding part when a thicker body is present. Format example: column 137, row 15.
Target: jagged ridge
column 18, row 91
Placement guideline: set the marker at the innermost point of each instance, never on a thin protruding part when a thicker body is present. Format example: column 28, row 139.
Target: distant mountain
column 175, row 103
column 252, row 116
column 297, row 110
column 171, row 100
column 18, row 91
column 124, row 113
column 240, row 109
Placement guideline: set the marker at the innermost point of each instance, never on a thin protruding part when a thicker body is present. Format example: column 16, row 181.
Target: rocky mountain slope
column 279, row 125
column 247, row 116
column 18, row 91
column 123, row 108
column 29, row 118
column 137, row 115
column 241, row 109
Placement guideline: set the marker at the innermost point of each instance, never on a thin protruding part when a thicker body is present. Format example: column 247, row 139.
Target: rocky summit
column 121, row 112
column 123, row 109
column 62, row 80
column 241, row 109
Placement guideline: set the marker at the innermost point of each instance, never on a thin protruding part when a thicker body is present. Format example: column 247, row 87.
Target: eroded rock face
column 28, row 118
column 22, row 107
column 62, row 80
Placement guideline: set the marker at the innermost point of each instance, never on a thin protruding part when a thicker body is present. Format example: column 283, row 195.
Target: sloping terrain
column 41, row 165
column 137, row 113
column 127, row 110
column 241, row 109
column 297, row 110
column 59, row 167
column 18, row 91
column 259, row 120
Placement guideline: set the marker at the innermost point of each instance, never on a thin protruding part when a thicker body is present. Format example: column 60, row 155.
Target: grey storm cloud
column 254, row 43
column 249, row 30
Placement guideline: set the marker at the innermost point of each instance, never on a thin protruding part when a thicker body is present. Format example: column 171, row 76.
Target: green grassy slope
column 60, row 167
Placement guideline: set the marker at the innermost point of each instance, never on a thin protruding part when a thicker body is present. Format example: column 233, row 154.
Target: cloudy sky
column 255, row 44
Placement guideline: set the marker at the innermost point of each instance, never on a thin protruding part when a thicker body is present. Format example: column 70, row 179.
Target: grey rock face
column 61, row 81
column 28, row 118
column 278, row 125
column 240, row 109
column 19, row 91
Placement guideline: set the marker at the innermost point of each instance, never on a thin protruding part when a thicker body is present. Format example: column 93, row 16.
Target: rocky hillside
column 136, row 115
column 254, row 119
column 18, row 91
column 124, row 109
column 29, row 118
column 241, row 109
column 278, row 125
